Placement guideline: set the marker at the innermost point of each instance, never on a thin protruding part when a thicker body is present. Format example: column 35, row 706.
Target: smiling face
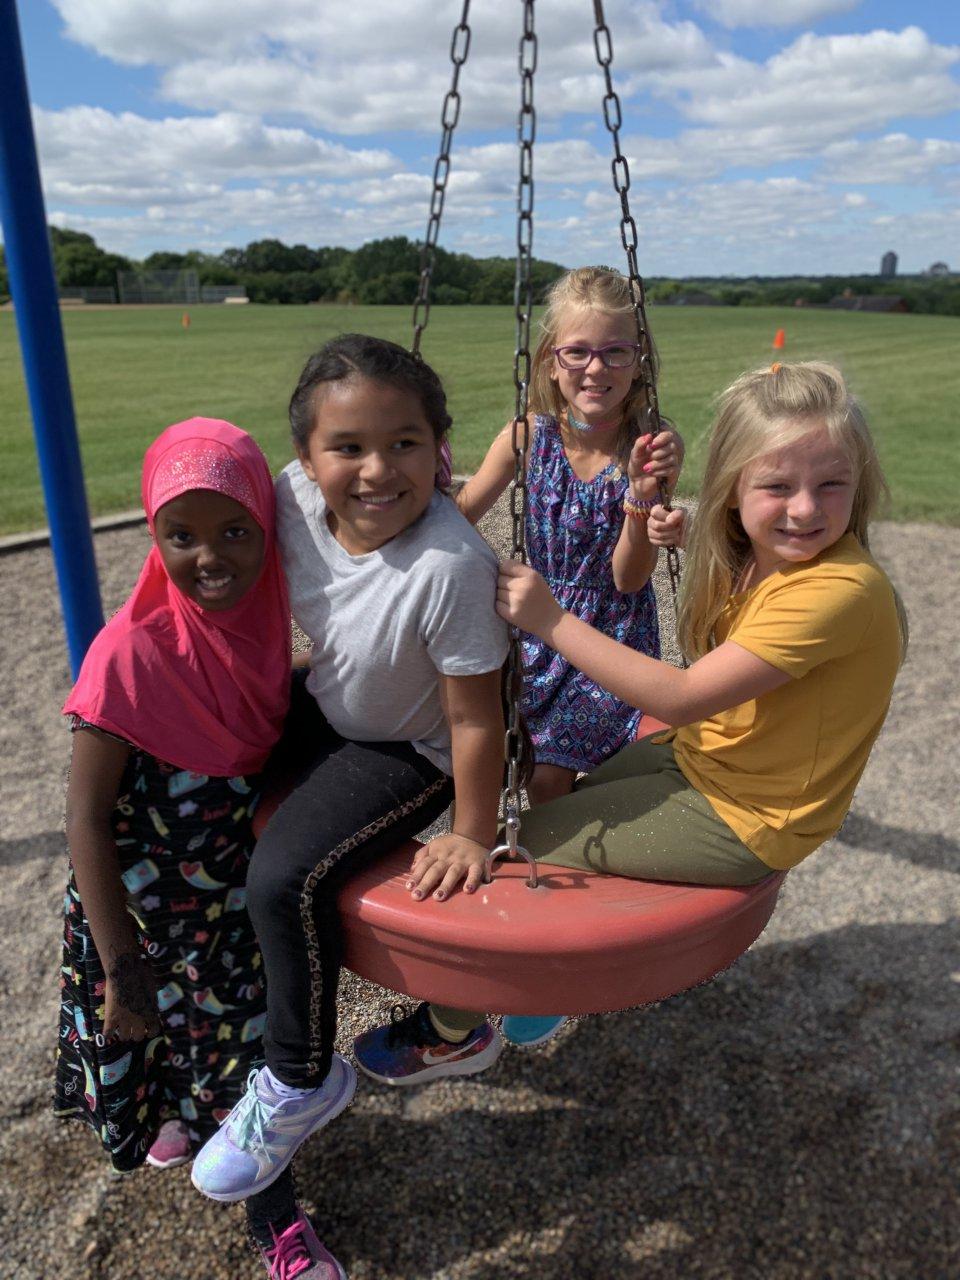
column 595, row 393
column 796, row 501
column 374, row 455
column 211, row 547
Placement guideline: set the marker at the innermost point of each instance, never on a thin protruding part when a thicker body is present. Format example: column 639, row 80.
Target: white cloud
column 572, row 160
column 822, row 88
column 142, row 32
column 896, row 158
column 736, row 230
column 772, row 13
column 131, row 154
column 789, row 226
column 167, row 32
column 379, row 65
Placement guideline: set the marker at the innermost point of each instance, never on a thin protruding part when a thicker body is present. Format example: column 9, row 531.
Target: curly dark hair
column 353, row 355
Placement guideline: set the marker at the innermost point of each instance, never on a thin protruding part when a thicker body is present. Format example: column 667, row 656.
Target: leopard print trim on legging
column 306, row 904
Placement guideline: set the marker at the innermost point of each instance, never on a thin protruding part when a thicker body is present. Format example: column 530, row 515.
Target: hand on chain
column 667, row 528
column 652, row 460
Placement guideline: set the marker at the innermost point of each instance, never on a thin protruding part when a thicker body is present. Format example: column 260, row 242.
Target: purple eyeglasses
column 615, row 355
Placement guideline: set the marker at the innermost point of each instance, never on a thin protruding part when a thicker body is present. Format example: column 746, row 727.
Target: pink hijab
column 205, row 691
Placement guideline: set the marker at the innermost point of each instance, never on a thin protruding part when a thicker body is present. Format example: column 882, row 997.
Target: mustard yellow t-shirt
column 781, row 770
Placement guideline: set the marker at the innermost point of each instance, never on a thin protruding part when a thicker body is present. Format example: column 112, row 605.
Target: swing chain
column 613, row 118
column 520, row 429
column 449, row 115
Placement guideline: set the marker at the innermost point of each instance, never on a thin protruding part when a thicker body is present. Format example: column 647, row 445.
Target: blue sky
column 810, row 145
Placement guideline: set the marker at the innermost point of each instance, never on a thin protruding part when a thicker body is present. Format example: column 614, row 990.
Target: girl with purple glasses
column 591, row 482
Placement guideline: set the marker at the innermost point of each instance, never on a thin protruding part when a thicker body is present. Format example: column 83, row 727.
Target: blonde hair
column 587, row 289
column 762, row 411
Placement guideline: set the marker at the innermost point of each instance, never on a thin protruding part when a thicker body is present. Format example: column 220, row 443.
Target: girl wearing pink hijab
column 179, row 701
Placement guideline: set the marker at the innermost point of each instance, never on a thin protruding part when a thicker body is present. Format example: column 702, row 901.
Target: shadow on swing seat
column 578, row 943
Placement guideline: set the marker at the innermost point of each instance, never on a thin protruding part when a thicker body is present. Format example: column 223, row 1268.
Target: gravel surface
column 795, row 1118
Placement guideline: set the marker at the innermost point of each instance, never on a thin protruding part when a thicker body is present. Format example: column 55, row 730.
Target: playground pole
column 34, row 289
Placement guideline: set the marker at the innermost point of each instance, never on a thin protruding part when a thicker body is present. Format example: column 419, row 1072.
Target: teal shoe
column 530, row 1031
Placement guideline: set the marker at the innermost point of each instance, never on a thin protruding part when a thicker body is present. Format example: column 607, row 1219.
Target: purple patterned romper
column 572, row 528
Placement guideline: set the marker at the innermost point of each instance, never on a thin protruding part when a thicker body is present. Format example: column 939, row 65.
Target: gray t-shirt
column 385, row 623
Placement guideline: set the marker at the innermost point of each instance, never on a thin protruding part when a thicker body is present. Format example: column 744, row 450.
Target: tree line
column 930, row 295
column 387, row 272
column 382, row 271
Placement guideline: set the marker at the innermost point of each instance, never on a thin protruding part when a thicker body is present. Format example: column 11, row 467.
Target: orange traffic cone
column 779, row 340
column 185, row 321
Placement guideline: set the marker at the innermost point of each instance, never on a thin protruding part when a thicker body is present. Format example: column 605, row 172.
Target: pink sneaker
column 297, row 1253
column 171, row 1146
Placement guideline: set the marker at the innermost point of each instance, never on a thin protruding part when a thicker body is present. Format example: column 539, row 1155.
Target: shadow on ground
column 924, row 849
column 792, row 1119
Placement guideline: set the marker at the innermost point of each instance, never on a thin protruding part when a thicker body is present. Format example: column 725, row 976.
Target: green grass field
column 136, row 371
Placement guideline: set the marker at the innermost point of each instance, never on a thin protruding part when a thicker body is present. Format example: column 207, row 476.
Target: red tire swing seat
column 578, row 942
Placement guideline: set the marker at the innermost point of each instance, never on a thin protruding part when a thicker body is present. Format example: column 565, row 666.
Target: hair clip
column 776, row 367
column 444, row 475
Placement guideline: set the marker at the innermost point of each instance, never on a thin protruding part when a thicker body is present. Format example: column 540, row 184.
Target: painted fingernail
column 417, row 893
column 648, row 466
column 439, row 895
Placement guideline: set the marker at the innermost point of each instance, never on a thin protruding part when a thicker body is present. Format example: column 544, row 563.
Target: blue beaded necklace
column 584, row 427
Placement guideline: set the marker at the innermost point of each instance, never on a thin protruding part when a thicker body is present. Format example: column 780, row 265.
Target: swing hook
column 512, row 849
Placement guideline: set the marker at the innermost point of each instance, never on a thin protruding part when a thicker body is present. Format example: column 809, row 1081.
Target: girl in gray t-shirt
column 398, row 715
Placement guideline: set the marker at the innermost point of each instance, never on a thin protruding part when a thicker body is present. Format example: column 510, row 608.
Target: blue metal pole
column 34, row 289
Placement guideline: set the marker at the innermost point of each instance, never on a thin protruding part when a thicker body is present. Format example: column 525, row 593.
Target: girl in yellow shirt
column 794, row 635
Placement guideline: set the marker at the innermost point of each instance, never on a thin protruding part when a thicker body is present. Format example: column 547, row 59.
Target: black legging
column 353, row 801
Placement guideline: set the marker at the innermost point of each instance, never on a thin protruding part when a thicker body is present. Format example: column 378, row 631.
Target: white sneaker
column 261, row 1134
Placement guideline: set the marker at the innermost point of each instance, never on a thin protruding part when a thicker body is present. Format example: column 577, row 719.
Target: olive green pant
column 637, row 816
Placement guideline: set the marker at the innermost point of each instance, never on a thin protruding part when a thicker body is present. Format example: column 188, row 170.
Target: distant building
column 938, row 269
column 848, row 301
column 888, row 264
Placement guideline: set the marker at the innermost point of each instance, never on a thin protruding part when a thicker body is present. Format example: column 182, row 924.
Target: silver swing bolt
column 511, row 848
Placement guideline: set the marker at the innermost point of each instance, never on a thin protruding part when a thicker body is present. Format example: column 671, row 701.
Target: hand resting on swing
column 473, row 710
column 725, row 677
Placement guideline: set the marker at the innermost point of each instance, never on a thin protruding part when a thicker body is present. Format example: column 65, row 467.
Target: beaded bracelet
column 638, row 508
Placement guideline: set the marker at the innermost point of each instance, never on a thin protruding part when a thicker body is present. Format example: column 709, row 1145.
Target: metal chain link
column 520, row 430
column 613, row 118
column 449, row 115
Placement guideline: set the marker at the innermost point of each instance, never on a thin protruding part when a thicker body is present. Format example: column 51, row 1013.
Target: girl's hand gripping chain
column 653, row 465
column 667, row 528
column 653, row 459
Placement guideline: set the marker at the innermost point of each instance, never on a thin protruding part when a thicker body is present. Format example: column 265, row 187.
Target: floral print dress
column 572, row 528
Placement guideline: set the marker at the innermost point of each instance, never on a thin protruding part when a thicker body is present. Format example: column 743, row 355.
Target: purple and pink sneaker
column 261, row 1134
column 408, row 1050
column 297, row 1254
column 171, row 1146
